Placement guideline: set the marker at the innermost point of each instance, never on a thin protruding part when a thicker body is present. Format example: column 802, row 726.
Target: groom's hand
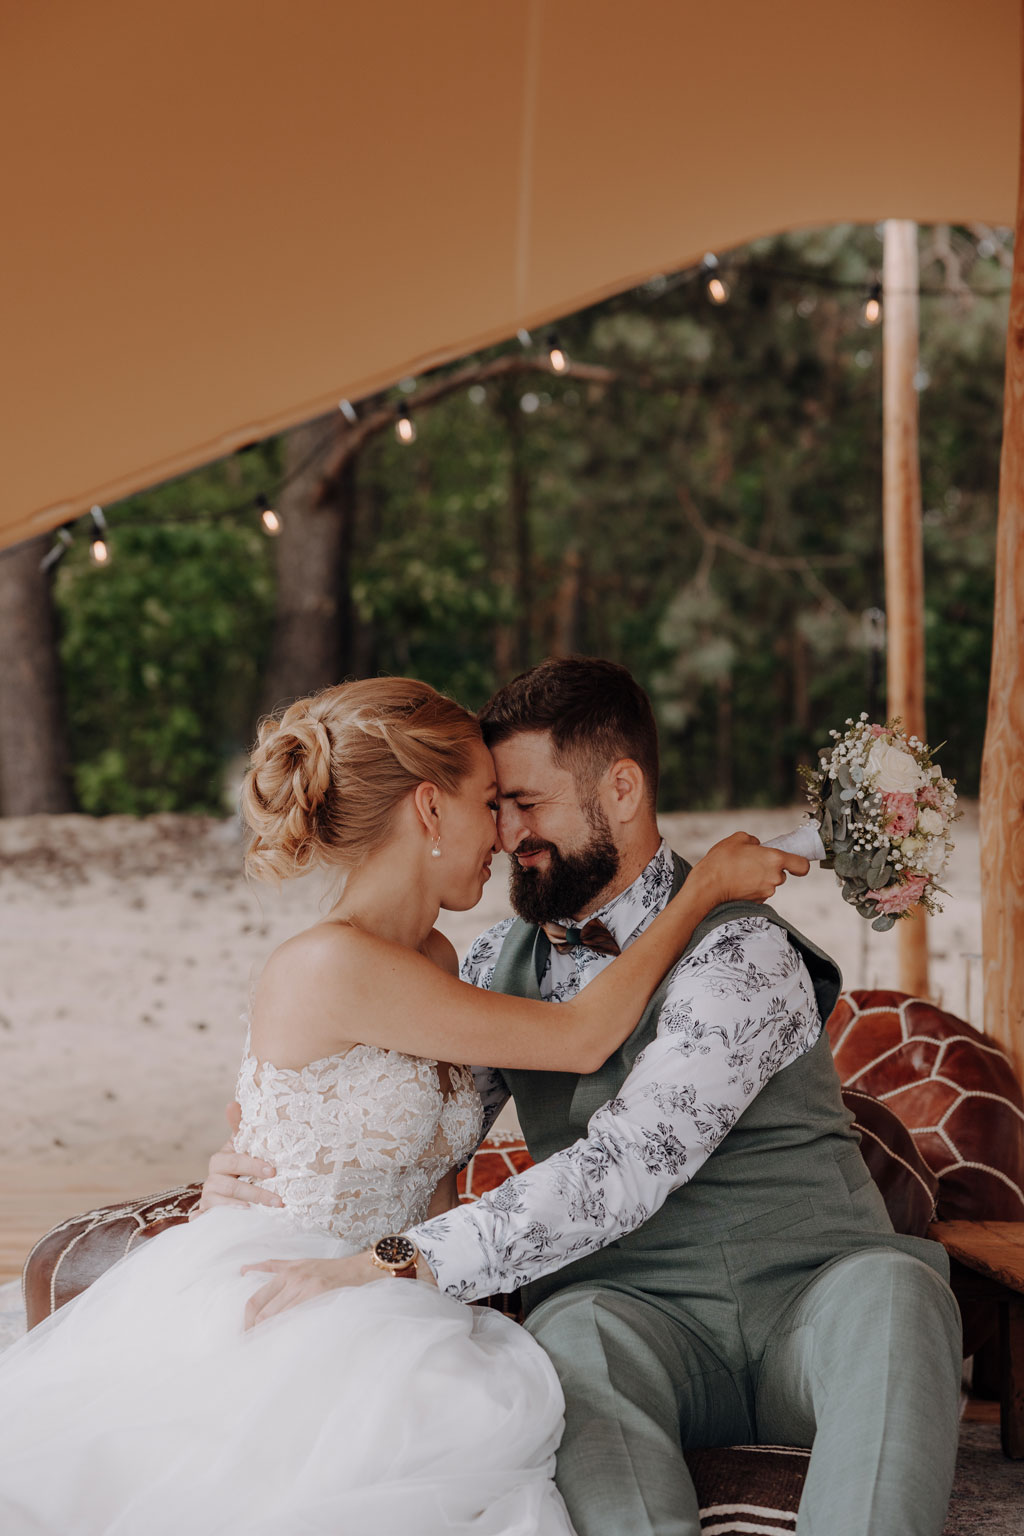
column 229, row 1172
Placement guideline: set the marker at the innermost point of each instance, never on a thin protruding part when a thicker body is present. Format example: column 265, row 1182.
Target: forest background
column 698, row 496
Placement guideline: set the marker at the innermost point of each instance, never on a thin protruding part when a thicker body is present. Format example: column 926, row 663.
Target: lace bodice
column 359, row 1140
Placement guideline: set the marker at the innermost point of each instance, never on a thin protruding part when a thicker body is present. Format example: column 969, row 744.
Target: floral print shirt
column 739, row 1008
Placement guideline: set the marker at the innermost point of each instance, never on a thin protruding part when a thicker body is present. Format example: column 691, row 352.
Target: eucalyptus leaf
column 876, row 868
column 844, row 775
column 884, row 923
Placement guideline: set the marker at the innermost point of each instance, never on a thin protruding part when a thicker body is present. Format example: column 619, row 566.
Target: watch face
column 395, row 1250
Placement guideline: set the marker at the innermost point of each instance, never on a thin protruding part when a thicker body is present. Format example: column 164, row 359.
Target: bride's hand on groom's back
column 741, row 870
column 229, row 1174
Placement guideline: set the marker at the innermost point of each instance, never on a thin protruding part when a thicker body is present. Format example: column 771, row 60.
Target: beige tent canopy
column 220, row 217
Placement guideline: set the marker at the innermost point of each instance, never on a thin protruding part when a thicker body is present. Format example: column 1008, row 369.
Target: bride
column 160, row 1401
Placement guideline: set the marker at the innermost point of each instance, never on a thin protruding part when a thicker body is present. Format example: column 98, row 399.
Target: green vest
column 790, row 1165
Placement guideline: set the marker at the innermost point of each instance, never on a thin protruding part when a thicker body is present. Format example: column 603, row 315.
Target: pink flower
column 896, row 899
column 900, row 813
column 930, row 796
column 878, row 730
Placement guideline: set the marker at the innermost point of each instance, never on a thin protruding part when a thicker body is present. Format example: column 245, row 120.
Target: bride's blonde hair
column 326, row 775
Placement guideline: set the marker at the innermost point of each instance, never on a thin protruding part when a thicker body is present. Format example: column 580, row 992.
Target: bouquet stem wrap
column 805, row 840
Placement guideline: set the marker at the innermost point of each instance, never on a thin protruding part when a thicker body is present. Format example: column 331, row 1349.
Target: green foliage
column 163, row 649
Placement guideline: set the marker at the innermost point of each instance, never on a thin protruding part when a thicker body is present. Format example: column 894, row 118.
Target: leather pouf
column 907, row 1184
column 77, row 1251
column 953, row 1089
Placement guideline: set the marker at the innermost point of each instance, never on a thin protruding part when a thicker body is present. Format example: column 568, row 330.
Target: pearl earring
column 435, row 852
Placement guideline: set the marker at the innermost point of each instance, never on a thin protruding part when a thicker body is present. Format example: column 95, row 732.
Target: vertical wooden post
column 901, row 499
column 1002, row 764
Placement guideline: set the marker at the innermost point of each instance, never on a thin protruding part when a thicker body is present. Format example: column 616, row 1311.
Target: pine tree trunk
column 312, row 643
column 519, row 520
column 34, row 761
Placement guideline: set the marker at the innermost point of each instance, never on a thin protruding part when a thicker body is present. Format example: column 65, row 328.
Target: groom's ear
column 626, row 789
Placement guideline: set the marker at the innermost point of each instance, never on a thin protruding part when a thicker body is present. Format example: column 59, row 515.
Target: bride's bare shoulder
column 329, row 951
column 311, row 994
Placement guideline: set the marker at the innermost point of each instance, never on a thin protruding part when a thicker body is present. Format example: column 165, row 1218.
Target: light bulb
column 718, row 291
column 872, row 311
column 557, row 357
column 99, row 549
column 405, row 427
column 269, row 519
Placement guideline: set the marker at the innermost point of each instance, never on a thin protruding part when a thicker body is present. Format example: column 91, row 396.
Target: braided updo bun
column 327, row 775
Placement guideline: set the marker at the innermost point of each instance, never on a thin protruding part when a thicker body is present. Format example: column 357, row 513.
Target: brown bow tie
column 592, row 935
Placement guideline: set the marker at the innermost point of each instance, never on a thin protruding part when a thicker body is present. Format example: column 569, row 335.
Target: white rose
column 934, row 861
column 929, row 822
column 911, row 850
column 891, row 771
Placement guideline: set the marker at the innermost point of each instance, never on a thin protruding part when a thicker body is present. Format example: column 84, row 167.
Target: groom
column 702, row 1251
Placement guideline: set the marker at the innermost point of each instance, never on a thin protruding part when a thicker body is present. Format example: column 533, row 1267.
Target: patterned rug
column 988, row 1494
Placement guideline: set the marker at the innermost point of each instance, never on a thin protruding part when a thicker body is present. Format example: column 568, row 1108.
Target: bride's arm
column 349, row 985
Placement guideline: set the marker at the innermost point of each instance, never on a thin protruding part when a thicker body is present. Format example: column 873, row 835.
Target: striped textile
column 750, row 1489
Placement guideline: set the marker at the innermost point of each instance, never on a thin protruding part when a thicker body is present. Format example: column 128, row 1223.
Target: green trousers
column 863, row 1365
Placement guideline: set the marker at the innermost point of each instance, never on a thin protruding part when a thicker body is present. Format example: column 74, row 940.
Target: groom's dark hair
column 594, row 711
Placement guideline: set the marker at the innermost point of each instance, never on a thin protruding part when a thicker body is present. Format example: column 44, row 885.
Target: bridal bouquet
column 881, row 814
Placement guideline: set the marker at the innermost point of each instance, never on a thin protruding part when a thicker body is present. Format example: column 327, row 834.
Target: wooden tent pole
column 901, row 502
column 1002, row 764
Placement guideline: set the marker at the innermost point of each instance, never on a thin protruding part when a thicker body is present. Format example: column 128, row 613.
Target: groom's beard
column 568, row 886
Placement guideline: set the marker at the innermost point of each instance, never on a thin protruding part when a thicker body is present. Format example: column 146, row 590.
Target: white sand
column 127, row 949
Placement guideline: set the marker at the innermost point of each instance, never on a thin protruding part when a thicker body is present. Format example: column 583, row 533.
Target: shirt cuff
column 453, row 1246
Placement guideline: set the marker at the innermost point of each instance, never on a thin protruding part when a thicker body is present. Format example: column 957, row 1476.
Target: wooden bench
column 987, row 1264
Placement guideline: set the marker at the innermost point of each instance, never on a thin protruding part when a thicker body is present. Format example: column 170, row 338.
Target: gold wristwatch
column 396, row 1255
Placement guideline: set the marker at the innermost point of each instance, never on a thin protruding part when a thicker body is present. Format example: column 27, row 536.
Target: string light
column 57, row 551
column 718, row 291
column 557, row 357
column 99, row 549
column 269, row 518
column 558, row 361
column 405, row 427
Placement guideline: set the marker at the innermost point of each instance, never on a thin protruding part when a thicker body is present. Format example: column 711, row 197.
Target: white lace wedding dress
column 143, row 1409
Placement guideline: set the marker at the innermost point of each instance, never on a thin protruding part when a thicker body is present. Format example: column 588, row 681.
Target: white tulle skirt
column 144, row 1409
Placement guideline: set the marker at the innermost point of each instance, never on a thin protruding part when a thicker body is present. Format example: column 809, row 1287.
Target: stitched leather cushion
column 908, row 1186
column 951, row 1086
column 498, row 1157
column 77, row 1251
